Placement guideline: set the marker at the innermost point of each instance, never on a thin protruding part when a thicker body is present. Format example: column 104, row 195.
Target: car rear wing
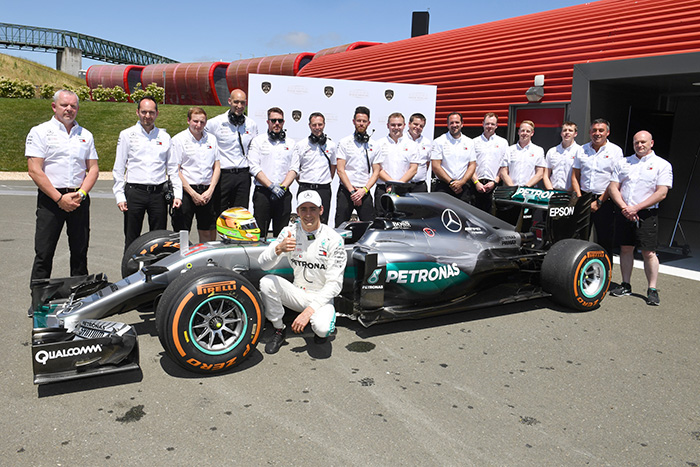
column 564, row 215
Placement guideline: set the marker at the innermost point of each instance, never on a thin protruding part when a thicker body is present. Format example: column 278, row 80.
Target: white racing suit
column 319, row 264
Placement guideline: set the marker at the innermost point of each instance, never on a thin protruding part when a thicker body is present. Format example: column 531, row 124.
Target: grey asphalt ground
column 525, row 384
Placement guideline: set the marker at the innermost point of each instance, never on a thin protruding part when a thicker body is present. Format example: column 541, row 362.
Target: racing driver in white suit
column 317, row 256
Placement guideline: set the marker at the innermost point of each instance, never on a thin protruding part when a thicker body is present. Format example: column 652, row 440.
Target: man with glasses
column 271, row 165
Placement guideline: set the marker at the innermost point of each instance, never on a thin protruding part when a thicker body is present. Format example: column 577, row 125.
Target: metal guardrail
column 17, row 36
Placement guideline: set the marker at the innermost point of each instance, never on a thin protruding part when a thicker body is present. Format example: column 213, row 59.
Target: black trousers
column 467, row 194
column 344, row 207
column 604, row 222
column 49, row 224
column 139, row 203
column 206, row 217
column 483, row 201
column 233, row 190
column 324, row 191
column 266, row 209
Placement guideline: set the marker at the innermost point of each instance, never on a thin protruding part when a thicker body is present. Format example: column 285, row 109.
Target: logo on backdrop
column 328, row 91
column 296, row 115
column 266, row 86
column 389, row 94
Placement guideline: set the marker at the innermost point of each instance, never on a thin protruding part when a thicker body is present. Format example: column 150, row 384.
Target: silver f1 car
column 429, row 254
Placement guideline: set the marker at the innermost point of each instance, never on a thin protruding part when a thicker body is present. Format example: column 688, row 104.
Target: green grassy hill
column 37, row 74
column 104, row 119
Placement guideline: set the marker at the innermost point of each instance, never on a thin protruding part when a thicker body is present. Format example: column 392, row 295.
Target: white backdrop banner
column 336, row 99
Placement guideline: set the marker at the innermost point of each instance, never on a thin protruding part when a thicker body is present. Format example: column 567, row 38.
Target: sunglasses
column 276, row 120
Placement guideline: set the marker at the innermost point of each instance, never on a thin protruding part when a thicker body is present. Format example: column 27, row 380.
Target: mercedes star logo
column 451, row 221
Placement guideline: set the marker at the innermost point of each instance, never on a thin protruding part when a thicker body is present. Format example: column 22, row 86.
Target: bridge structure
column 71, row 46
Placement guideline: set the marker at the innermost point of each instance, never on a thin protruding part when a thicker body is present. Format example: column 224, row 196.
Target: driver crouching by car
column 317, row 256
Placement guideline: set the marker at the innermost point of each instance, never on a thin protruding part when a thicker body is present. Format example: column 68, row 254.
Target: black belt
column 199, row 188
column 63, row 191
column 235, row 171
column 484, row 181
column 314, row 186
column 146, row 188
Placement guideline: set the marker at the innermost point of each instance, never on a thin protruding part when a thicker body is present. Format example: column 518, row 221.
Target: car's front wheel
column 209, row 319
column 576, row 273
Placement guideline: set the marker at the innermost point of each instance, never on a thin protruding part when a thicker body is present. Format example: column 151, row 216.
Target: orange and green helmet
column 238, row 224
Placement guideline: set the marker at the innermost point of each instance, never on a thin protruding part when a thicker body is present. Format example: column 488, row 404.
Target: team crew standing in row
column 207, row 169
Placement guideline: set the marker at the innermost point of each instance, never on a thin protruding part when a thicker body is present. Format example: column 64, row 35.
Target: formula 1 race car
column 428, row 254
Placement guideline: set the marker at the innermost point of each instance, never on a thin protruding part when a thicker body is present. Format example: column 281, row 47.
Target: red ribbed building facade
column 486, row 68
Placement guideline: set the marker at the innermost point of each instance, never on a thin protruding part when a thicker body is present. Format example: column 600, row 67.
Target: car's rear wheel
column 576, row 273
column 209, row 319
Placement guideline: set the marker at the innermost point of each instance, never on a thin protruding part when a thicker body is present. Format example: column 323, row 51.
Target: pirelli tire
column 209, row 319
column 576, row 273
column 159, row 243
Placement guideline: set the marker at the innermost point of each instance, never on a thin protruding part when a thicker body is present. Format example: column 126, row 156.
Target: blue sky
column 210, row 31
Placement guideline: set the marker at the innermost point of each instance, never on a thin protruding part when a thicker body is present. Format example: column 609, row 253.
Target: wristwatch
column 598, row 202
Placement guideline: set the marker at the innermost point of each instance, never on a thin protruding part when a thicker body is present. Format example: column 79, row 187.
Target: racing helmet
column 238, row 224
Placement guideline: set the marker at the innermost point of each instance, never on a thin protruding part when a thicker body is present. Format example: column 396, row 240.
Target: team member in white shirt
column 560, row 159
column 639, row 182
column 62, row 162
column 317, row 256
column 314, row 161
column 233, row 131
column 523, row 163
column 141, row 170
column 271, row 165
column 489, row 149
column 454, row 161
column 400, row 157
column 592, row 173
column 359, row 163
column 198, row 158
column 416, row 123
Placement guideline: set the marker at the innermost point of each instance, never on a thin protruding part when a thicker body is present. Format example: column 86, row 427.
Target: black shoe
column 320, row 340
column 653, row 297
column 623, row 289
column 276, row 341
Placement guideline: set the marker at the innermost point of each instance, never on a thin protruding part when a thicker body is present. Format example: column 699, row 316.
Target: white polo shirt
column 273, row 158
column 359, row 158
column 489, row 154
column 64, row 153
column 231, row 155
column 522, row 161
column 196, row 158
column 312, row 162
column 561, row 161
column 638, row 178
column 425, row 145
column 597, row 166
column 144, row 158
column 455, row 154
column 398, row 156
